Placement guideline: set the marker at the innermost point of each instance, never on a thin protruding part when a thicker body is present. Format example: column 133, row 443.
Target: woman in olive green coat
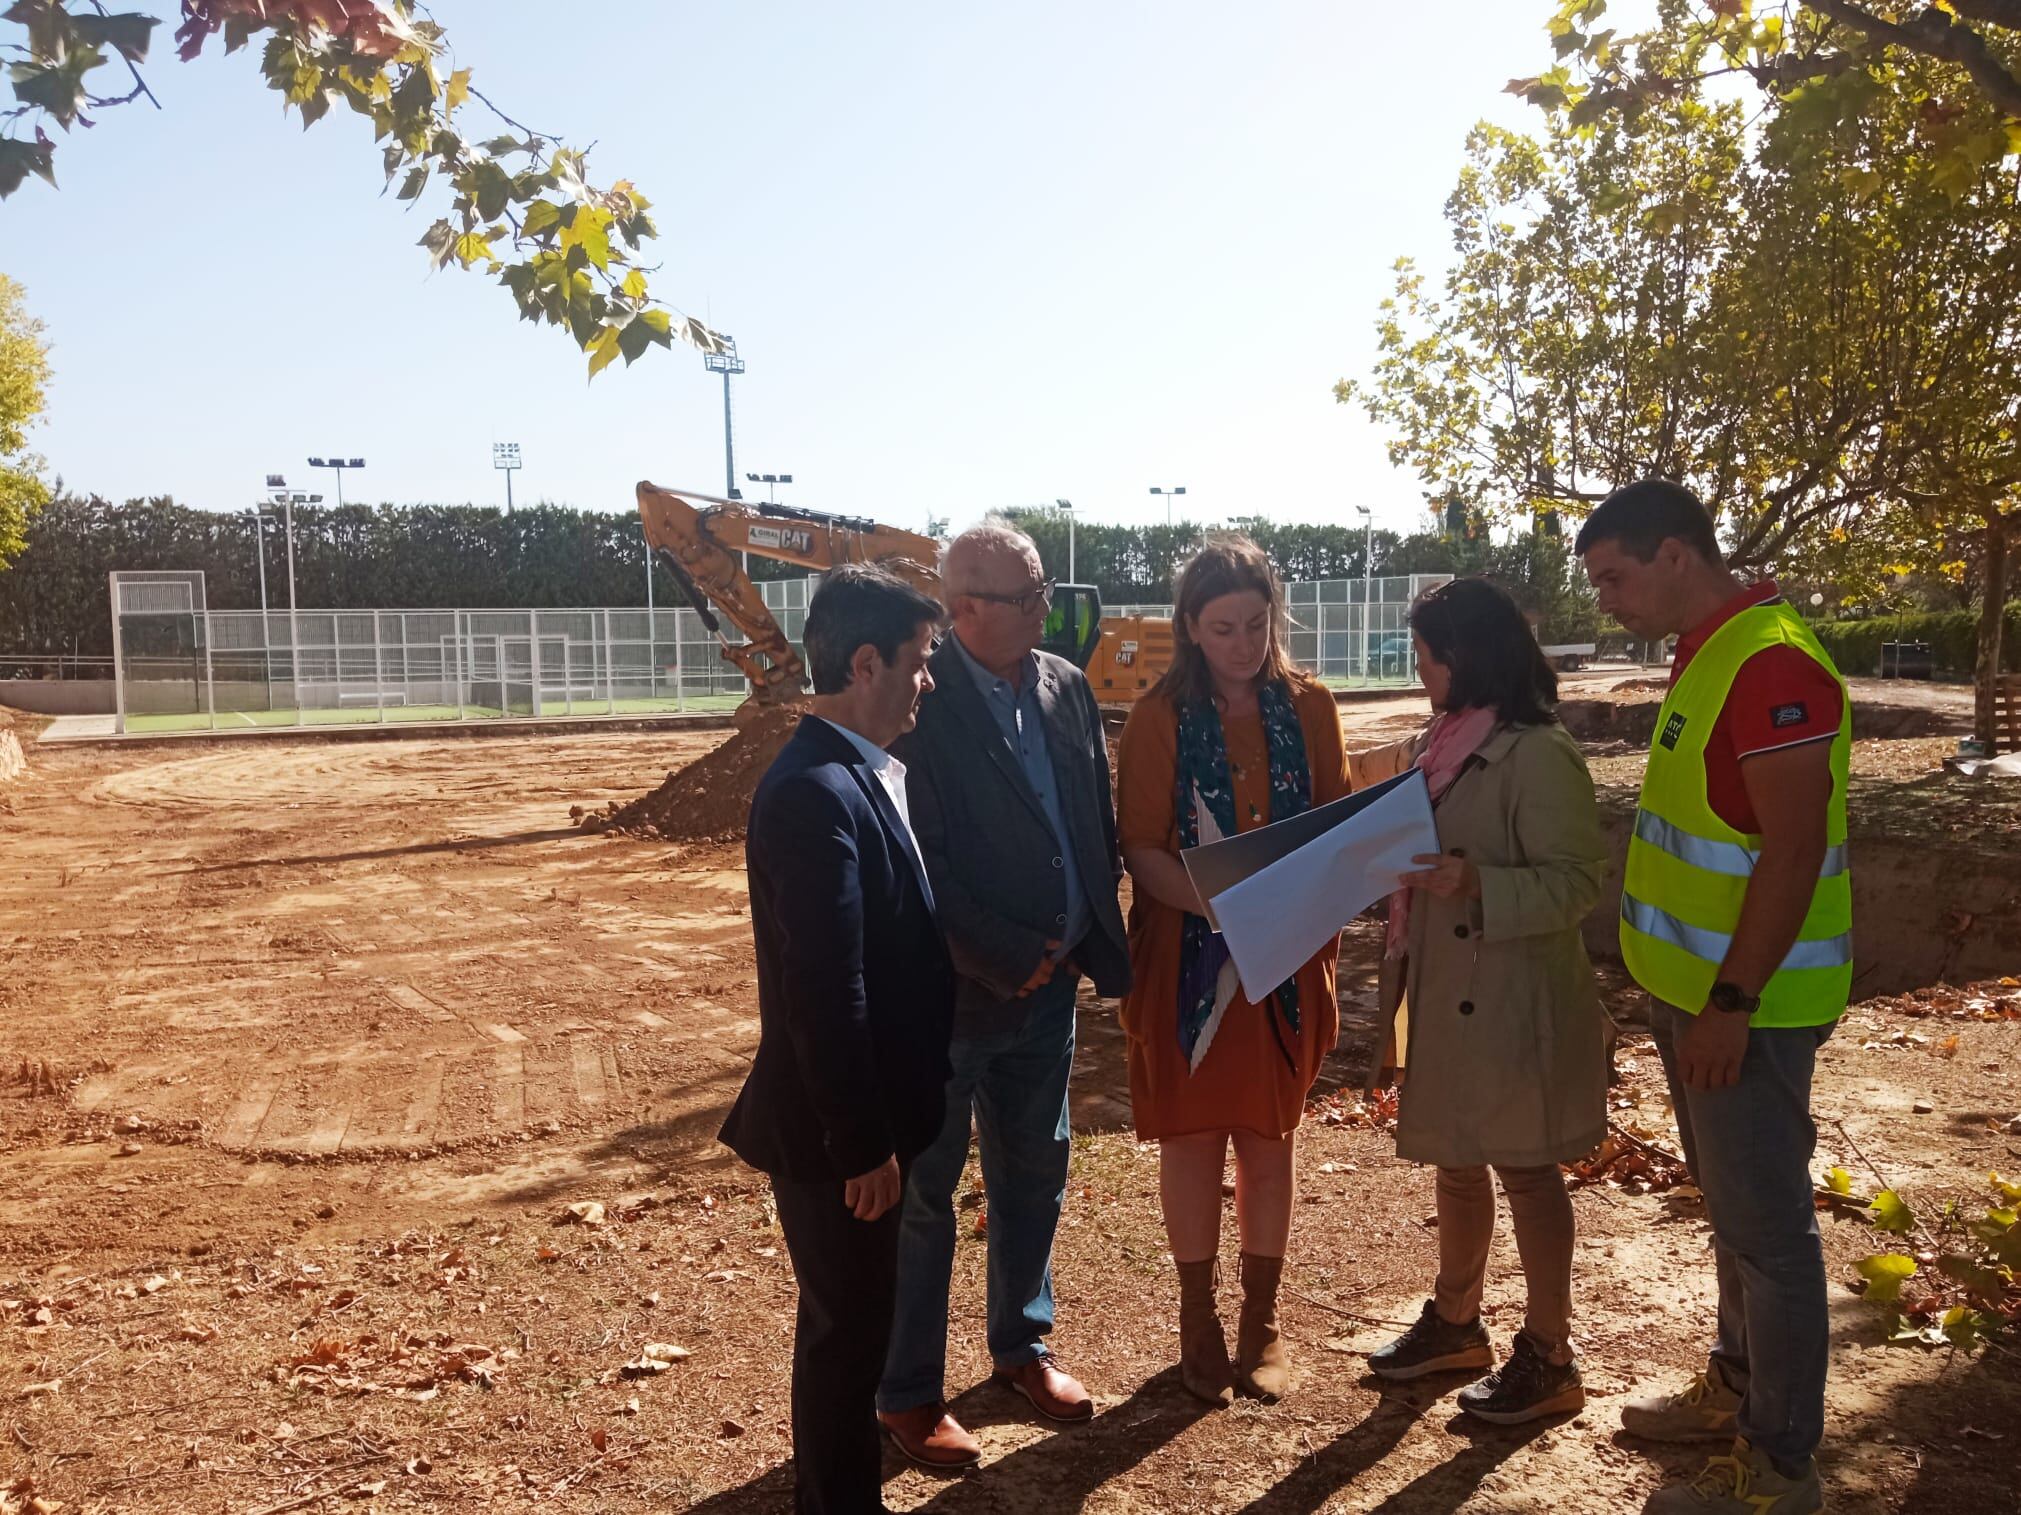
column 1504, row 1054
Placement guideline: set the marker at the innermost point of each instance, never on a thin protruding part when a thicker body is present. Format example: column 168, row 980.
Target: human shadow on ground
column 1070, row 1465
column 374, row 854
column 1447, row 1486
column 1341, row 1461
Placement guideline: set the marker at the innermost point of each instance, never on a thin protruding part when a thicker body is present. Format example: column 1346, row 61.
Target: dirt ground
column 307, row 1049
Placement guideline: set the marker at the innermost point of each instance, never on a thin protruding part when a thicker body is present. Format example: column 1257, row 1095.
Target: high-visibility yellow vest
column 1688, row 871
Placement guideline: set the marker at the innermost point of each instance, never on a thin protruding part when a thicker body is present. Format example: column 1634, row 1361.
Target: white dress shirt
column 890, row 774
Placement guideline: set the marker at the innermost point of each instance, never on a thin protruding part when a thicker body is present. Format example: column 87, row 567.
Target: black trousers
column 847, row 1270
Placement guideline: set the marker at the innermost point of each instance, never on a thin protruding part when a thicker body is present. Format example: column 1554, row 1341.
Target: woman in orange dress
column 1232, row 738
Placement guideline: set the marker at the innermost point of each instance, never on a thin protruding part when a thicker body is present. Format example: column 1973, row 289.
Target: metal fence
column 1356, row 631
column 178, row 666
column 181, row 666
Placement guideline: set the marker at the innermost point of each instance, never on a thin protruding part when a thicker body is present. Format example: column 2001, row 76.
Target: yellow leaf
column 458, row 91
column 603, row 350
column 1885, row 1274
column 2009, row 1192
column 635, row 285
column 1839, row 1181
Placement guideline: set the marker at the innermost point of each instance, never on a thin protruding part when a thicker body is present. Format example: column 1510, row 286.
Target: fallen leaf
column 419, row 1465
column 599, row 1438
column 731, row 1428
column 53, row 1386
column 588, row 1212
column 366, row 1490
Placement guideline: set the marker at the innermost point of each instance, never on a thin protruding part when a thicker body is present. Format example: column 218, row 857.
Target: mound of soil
column 710, row 799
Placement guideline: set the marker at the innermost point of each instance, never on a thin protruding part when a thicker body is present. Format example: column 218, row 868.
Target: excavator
column 698, row 537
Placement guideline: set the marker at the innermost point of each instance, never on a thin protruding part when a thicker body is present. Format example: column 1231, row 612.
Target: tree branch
column 139, row 84
column 1935, row 35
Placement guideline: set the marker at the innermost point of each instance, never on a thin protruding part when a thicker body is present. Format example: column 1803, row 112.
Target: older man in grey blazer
column 1007, row 780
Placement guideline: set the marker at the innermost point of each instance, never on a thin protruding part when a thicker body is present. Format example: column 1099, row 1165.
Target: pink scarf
column 1452, row 738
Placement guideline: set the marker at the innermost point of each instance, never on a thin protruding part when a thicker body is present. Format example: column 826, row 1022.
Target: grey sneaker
column 1744, row 1482
column 1433, row 1346
column 1529, row 1386
column 1703, row 1410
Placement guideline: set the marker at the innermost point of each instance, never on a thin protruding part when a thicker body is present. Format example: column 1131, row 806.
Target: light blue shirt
column 1017, row 715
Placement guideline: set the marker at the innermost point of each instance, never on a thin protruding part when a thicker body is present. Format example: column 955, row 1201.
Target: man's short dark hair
column 861, row 604
column 1640, row 516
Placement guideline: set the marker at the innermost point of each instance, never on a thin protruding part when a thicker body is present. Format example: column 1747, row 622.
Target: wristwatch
column 1732, row 1000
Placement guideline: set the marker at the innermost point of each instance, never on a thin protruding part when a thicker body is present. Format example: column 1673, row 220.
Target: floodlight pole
column 1367, row 589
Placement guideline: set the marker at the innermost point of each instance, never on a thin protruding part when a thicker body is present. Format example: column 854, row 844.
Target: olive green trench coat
column 1504, row 1056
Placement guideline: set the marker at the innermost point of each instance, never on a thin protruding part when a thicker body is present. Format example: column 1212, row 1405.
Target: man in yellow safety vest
column 1736, row 916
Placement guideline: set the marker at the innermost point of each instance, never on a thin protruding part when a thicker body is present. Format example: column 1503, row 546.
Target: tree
column 24, row 369
column 1968, row 87
column 1818, row 337
column 521, row 204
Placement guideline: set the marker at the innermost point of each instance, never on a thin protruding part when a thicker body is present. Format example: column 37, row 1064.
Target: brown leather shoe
column 1055, row 1394
column 931, row 1437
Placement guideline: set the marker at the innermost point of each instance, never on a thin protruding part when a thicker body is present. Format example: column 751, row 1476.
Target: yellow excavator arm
column 698, row 537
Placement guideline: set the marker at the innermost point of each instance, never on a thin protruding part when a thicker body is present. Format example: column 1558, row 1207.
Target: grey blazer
column 991, row 853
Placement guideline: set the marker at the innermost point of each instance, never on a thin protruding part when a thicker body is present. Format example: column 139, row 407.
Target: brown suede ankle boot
column 1203, row 1350
column 1262, row 1367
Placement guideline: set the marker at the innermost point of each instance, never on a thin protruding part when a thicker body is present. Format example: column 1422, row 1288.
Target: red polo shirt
column 1781, row 698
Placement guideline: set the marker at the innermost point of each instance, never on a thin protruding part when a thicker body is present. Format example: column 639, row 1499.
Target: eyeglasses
column 1023, row 604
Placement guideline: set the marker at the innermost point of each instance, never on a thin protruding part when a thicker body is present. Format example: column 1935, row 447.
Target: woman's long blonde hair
column 1226, row 563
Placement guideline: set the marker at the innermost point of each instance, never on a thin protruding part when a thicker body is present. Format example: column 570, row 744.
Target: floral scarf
column 1202, row 779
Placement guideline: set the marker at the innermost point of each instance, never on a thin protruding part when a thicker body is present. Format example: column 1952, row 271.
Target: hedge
column 1953, row 636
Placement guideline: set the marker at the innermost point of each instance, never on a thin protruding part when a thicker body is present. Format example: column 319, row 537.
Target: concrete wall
column 58, row 696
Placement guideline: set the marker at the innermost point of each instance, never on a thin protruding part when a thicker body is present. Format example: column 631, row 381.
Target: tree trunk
column 1992, row 620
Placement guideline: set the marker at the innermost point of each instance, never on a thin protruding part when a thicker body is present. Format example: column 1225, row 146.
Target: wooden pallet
column 2007, row 714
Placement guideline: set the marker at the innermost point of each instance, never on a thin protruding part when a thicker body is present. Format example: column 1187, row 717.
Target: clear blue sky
column 974, row 256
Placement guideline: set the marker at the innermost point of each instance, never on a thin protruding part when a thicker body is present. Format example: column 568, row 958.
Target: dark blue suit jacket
column 855, row 990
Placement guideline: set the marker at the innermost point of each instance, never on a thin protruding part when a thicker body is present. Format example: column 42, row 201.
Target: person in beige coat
column 1504, row 1052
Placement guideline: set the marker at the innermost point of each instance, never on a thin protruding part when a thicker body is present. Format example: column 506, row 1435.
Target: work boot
column 1432, row 1346
column 1529, row 1386
column 1262, row 1367
column 1744, row 1482
column 1203, row 1351
column 1703, row 1410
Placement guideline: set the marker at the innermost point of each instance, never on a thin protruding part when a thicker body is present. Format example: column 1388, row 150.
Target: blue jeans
column 1015, row 1083
column 1749, row 1149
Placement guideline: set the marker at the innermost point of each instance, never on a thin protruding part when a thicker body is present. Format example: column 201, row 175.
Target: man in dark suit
column 855, row 999
column 1008, row 775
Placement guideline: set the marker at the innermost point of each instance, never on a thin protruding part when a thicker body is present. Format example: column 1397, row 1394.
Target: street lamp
column 1168, row 493
column 505, row 458
column 1067, row 508
column 1367, row 588
column 279, row 494
column 339, row 464
column 726, row 362
column 771, row 481
column 260, row 523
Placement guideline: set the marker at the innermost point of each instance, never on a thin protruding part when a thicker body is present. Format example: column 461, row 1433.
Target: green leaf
column 1962, row 1326
column 1987, row 1285
column 1890, row 1213
column 417, row 180
column 58, row 89
column 589, row 231
column 1885, row 1273
column 634, row 338
column 541, row 217
column 127, row 33
column 20, row 159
